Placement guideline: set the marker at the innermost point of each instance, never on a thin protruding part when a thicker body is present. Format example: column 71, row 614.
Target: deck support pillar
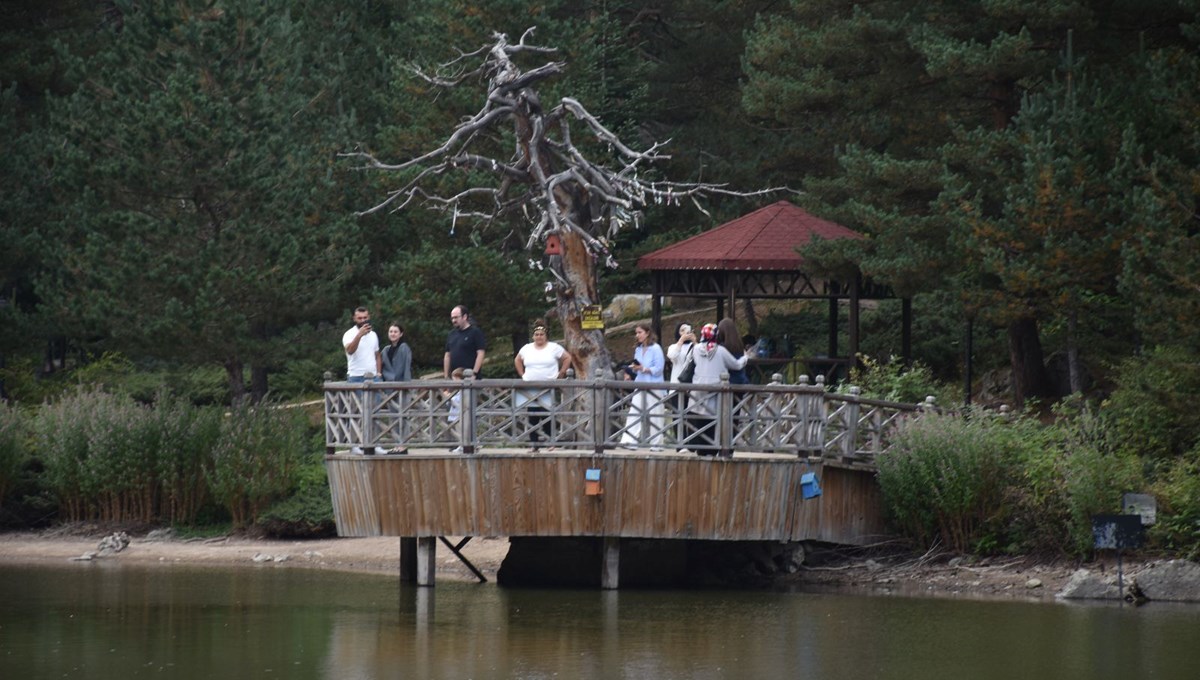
column 610, row 566
column 426, row 560
column 408, row 559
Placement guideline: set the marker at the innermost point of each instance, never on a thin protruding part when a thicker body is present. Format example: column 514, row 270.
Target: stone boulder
column 1086, row 585
column 1170, row 581
column 627, row 308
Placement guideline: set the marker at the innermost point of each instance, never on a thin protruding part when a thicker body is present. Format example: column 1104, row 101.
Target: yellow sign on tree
column 591, row 318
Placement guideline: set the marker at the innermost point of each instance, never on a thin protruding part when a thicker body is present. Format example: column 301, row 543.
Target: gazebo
column 754, row 256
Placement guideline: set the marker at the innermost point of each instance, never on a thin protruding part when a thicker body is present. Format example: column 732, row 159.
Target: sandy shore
column 346, row 554
column 930, row 576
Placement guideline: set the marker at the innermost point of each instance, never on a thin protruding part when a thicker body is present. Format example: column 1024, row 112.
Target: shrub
column 1077, row 472
column 13, row 446
column 947, row 478
column 1178, row 492
column 99, row 450
column 255, row 460
column 61, row 441
column 1153, row 406
column 189, row 435
column 892, row 381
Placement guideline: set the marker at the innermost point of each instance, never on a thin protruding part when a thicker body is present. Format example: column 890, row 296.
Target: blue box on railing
column 810, row 487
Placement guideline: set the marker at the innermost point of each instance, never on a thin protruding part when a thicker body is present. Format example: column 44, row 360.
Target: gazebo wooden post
column 834, row 289
column 855, row 290
column 656, row 305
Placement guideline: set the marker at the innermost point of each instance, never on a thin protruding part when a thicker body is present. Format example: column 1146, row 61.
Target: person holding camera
column 362, row 357
column 645, row 419
column 362, row 348
column 682, row 368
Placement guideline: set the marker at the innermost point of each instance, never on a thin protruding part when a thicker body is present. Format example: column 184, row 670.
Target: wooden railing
column 598, row 415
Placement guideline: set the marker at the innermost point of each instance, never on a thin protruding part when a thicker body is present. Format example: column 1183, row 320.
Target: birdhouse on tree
column 553, row 245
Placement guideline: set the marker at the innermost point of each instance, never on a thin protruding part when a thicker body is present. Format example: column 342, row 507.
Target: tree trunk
column 237, row 383
column 1073, row 352
column 258, row 383
column 1025, row 357
column 587, row 347
column 751, row 317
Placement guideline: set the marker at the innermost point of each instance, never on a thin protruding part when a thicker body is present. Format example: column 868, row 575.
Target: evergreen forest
column 180, row 231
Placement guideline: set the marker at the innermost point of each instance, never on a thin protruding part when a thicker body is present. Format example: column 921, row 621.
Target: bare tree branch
column 585, row 202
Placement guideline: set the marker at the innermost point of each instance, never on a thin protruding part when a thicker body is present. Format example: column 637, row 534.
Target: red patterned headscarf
column 708, row 335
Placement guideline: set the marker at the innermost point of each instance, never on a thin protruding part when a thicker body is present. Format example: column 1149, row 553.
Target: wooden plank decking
column 512, row 492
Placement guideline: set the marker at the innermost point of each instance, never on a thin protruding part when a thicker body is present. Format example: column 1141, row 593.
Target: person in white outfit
column 680, row 356
column 539, row 360
column 645, row 419
column 362, row 360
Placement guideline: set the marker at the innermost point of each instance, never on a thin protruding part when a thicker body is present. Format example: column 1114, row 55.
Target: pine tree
column 195, row 170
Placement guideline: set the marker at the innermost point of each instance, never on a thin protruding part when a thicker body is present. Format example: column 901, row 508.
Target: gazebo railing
column 599, row 415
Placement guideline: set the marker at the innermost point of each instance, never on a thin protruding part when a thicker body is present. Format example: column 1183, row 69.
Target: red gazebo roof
column 765, row 239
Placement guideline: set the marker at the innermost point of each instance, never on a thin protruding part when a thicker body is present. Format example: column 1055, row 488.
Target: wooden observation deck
column 590, row 485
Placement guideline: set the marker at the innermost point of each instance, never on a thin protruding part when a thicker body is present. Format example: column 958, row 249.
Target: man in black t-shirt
column 465, row 345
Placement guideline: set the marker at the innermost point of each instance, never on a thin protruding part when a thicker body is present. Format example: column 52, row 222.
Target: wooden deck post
column 408, row 559
column 725, row 418
column 610, row 565
column 426, row 560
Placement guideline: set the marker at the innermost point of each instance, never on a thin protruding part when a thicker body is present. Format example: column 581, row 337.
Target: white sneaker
column 356, row 450
column 631, row 447
column 457, row 449
column 379, row 450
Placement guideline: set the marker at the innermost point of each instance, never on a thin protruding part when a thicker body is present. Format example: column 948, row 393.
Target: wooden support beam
column 457, row 550
column 610, row 566
column 426, row 560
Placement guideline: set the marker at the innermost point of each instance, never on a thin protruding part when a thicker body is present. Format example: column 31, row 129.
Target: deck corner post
column 610, row 565
column 466, row 423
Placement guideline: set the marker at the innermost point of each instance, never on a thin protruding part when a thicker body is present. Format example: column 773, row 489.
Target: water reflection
column 109, row 621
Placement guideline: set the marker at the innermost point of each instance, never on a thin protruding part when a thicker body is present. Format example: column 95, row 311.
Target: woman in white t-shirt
column 537, row 361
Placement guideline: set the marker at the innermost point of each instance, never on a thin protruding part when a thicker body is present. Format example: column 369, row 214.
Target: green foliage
column 1153, row 407
column 1094, row 475
column 99, row 450
column 1178, row 494
column 189, row 436
column 308, row 513
column 947, row 478
column 892, row 381
column 14, row 446
column 211, row 226
column 503, row 297
column 255, row 460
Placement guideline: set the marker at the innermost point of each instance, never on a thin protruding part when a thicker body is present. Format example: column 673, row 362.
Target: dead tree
column 547, row 183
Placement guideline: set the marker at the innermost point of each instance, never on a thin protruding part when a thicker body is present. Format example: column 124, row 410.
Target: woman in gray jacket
column 396, row 359
column 712, row 359
column 396, row 356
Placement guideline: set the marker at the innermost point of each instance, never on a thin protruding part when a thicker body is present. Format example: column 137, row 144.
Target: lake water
column 101, row 621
